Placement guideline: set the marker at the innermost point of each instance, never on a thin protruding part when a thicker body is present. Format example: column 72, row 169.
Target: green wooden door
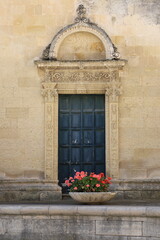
column 81, row 134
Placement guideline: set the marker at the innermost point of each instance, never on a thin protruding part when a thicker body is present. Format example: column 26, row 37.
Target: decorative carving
column 114, row 89
column 65, row 76
column 114, row 140
column 45, row 54
column 49, row 141
column 49, row 91
column 115, row 55
column 82, row 23
column 81, row 14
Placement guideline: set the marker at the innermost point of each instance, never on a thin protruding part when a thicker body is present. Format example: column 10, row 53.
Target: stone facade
column 26, row 28
column 79, row 222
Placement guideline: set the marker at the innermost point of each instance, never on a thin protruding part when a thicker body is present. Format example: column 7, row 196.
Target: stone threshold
column 80, row 210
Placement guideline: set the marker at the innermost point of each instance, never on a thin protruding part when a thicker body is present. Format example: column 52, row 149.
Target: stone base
column 30, row 190
column 79, row 222
column 44, row 191
column 138, row 189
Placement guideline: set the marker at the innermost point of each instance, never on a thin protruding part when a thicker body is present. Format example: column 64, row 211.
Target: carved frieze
column 85, row 76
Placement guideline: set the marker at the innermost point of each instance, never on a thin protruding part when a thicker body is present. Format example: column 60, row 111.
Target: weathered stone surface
column 132, row 195
column 28, row 222
column 151, row 228
column 126, row 228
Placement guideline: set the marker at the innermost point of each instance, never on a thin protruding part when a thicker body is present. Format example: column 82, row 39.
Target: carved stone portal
column 80, row 77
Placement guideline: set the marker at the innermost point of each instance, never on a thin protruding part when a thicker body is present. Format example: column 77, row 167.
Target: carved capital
column 49, row 91
column 114, row 89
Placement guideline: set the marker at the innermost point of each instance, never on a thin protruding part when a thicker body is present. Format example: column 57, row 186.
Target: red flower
column 68, row 183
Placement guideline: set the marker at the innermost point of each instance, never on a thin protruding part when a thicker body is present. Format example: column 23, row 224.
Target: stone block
column 36, row 210
column 63, row 210
column 10, row 210
column 151, row 194
column 27, row 82
column 50, row 196
column 9, row 133
column 34, row 174
column 17, row 112
column 151, row 228
column 13, row 226
column 126, row 211
column 133, row 195
column 48, row 226
column 126, row 228
column 11, row 237
column 80, row 226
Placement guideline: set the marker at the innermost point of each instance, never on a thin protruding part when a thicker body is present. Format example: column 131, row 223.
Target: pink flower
column 78, row 177
column 68, row 183
column 75, row 188
column 87, row 185
column 98, row 185
column 97, row 176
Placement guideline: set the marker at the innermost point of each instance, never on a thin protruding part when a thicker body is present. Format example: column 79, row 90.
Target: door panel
column 81, row 134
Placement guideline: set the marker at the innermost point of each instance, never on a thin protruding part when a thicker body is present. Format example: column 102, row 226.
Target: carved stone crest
column 81, row 12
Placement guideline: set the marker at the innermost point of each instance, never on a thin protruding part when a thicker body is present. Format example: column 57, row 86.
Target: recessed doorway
column 81, row 134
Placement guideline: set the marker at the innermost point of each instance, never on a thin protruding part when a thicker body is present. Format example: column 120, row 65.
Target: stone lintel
column 101, row 64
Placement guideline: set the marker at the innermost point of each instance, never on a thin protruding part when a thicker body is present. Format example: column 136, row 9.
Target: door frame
column 88, row 77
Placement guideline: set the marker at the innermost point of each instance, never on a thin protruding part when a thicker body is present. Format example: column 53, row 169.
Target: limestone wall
column 26, row 27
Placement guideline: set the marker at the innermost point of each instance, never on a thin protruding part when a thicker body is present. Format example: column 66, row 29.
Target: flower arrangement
column 84, row 182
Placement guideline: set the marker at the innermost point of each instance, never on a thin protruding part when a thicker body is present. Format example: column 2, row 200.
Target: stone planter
column 92, row 197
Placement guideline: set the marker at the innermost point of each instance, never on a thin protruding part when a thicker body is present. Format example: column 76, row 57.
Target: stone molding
column 72, row 210
column 69, row 78
column 81, row 24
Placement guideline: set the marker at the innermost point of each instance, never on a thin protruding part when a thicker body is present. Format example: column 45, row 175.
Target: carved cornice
column 90, row 65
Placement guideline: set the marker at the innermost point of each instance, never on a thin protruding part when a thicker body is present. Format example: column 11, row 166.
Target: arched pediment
column 85, row 28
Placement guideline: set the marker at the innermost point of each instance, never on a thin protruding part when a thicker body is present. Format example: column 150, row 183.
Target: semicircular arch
column 87, row 28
